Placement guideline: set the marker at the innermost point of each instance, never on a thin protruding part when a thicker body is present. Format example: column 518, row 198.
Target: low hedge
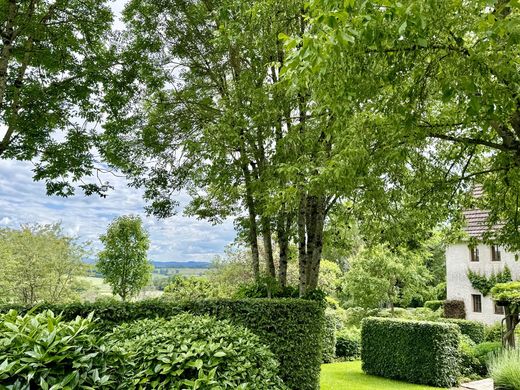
column 475, row 330
column 414, row 351
column 348, row 344
column 291, row 328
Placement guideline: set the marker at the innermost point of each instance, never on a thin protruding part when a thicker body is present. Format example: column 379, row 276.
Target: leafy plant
column 484, row 283
column 43, row 351
column 504, row 368
column 348, row 343
column 194, row 352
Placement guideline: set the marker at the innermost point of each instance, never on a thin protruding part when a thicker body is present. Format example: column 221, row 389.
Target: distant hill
column 173, row 264
column 181, row 264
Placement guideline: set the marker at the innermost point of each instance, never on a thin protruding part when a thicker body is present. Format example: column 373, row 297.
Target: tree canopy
column 124, row 260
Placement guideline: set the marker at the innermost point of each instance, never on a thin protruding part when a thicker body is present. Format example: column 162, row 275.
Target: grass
column 348, row 375
column 505, row 369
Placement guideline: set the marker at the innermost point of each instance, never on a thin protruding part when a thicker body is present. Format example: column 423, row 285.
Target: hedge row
column 329, row 339
column 414, row 351
column 292, row 328
column 434, row 305
column 476, row 331
column 454, row 309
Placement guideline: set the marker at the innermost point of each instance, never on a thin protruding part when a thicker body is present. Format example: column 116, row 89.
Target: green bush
column 475, row 330
column 348, row 343
column 194, row 352
column 454, row 309
column 494, row 332
column 291, row 328
column 414, row 351
column 504, row 368
column 433, row 305
column 43, row 351
column 329, row 338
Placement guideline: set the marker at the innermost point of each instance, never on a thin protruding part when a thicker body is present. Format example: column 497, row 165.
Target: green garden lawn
column 348, row 375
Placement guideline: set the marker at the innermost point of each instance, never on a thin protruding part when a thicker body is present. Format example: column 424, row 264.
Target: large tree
column 39, row 264
column 55, row 64
column 213, row 117
column 124, row 260
column 439, row 79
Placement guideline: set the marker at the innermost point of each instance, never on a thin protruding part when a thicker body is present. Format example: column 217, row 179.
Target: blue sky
column 175, row 239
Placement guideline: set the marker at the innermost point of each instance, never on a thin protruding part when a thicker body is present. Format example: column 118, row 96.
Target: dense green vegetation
column 417, row 352
column 291, row 328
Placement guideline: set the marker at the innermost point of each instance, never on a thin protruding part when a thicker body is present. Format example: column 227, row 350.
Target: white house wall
column 458, row 285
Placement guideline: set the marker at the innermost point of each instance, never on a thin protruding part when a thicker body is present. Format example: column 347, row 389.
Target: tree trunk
column 302, row 244
column 512, row 320
column 268, row 247
column 283, row 231
column 253, row 228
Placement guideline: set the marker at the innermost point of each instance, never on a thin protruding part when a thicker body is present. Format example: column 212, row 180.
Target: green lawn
column 348, row 375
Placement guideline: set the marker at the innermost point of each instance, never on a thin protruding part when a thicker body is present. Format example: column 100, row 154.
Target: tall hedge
column 454, row 309
column 413, row 351
column 292, row 328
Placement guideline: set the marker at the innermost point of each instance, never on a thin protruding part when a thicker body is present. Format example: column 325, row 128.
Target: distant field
column 166, row 272
column 95, row 288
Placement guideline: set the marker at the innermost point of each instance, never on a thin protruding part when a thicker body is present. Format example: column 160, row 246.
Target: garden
column 339, row 140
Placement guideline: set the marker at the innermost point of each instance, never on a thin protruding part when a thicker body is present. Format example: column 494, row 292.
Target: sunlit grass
column 348, row 375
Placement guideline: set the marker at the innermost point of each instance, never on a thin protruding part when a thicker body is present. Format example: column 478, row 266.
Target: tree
column 379, row 276
column 508, row 295
column 39, row 263
column 424, row 76
column 55, row 65
column 123, row 261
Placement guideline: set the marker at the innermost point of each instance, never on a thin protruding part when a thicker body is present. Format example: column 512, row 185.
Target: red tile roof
column 476, row 223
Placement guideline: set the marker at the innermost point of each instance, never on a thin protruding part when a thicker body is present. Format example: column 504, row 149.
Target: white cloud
column 178, row 238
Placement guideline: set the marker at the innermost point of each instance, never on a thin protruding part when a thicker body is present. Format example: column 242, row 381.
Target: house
column 481, row 258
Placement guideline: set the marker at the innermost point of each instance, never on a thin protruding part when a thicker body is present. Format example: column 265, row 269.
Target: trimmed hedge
column 433, row 305
column 454, row 309
column 329, row 339
column 291, row 328
column 475, row 330
column 348, row 344
column 414, row 351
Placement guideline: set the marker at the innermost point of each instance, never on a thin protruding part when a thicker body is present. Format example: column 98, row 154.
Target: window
column 499, row 309
column 495, row 253
column 474, row 255
column 477, row 303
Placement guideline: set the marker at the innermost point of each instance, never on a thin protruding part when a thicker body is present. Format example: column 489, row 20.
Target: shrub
column 291, row 328
column 469, row 365
column 475, row 330
column 504, row 368
column 348, row 343
column 433, row 305
column 494, row 332
column 414, row 351
column 454, row 309
column 194, row 352
column 43, row 351
column 329, row 338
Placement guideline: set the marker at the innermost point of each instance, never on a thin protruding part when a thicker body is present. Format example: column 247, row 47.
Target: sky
column 23, row 201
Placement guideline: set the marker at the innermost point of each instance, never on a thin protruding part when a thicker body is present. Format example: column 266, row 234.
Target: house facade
column 480, row 258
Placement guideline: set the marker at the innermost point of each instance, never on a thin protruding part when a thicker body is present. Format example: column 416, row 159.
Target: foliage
column 379, row 276
column 424, row 75
column 348, row 343
column 56, row 76
column 194, row 352
column 504, row 368
column 348, row 375
column 329, row 338
column 43, row 351
column 484, row 284
column 473, row 329
column 508, row 293
column 328, row 280
column 291, row 328
column 494, row 332
column 418, row 352
column 469, row 365
column 433, row 305
column 39, row 263
column 266, row 287
column 183, row 288
column 123, row 261
column 454, row 309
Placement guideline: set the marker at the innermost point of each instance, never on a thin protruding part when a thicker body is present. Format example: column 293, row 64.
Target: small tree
column 123, row 262
column 508, row 295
